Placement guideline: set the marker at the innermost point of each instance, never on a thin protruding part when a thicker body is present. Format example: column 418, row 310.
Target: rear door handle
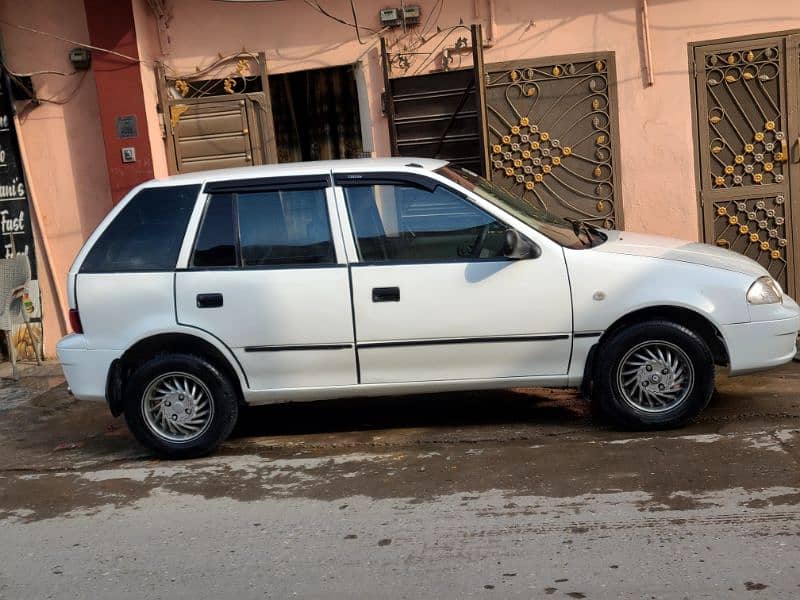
column 386, row 294
column 209, row 300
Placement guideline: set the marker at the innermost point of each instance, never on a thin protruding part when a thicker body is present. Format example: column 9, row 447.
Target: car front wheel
column 180, row 406
column 653, row 375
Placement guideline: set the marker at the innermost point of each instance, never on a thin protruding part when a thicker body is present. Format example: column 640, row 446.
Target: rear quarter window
column 147, row 234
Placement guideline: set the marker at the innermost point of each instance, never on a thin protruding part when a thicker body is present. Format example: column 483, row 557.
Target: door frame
column 790, row 39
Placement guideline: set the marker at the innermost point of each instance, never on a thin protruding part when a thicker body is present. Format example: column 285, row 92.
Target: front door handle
column 209, row 300
column 386, row 294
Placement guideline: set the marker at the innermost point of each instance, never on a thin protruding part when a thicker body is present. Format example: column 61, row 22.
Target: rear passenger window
column 147, row 234
column 284, row 228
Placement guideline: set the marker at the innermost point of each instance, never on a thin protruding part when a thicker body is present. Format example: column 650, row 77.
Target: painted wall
column 119, row 92
column 61, row 140
column 658, row 170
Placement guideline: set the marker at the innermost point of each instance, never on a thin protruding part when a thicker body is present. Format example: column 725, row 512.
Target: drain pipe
column 648, row 50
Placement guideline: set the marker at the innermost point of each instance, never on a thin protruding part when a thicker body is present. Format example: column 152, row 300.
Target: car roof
column 302, row 168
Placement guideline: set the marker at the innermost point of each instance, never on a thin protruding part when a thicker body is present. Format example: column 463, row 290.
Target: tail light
column 75, row 321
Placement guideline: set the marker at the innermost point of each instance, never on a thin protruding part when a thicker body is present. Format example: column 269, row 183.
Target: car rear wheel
column 180, row 406
column 653, row 375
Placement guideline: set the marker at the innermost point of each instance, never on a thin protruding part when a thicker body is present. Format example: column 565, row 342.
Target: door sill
column 309, row 394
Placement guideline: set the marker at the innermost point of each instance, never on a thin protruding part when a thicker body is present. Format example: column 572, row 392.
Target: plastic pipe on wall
column 648, row 50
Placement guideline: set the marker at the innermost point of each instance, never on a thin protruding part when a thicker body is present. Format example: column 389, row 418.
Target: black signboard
column 16, row 234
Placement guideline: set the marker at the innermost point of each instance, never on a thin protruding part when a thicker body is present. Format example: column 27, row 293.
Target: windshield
column 557, row 229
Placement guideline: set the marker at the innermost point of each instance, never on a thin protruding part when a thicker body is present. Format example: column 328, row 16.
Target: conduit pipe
column 648, row 50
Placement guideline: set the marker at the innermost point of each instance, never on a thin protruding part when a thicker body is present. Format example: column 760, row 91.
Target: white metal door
column 283, row 306
column 434, row 317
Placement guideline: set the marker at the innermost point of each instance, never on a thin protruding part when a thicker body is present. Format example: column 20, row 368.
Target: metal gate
column 746, row 94
column 552, row 134
column 220, row 116
column 217, row 132
column 435, row 116
column 438, row 115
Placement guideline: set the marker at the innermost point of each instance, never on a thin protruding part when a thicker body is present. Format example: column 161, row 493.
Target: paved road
column 485, row 495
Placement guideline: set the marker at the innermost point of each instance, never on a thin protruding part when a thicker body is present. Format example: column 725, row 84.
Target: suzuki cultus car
column 202, row 293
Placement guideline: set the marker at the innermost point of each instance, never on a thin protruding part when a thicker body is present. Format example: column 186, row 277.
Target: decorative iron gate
column 552, row 134
column 742, row 90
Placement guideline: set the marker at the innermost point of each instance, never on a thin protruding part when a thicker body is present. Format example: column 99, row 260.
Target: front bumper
column 86, row 370
column 760, row 344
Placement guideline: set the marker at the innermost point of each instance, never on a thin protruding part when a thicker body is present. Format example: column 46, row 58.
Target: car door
column 434, row 296
column 267, row 276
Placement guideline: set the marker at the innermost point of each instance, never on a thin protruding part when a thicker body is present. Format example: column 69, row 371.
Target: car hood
column 655, row 246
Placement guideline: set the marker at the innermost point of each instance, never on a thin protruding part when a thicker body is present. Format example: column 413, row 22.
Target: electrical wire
column 355, row 22
column 210, row 68
column 316, row 6
column 64, row 39
column 425, row 28
column 439, row 45
column 32, row 73
column 59, row 101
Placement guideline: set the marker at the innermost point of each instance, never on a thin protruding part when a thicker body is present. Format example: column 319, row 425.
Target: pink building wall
column 64, row 145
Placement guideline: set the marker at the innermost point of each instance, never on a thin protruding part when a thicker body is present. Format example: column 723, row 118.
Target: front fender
column 606, row 287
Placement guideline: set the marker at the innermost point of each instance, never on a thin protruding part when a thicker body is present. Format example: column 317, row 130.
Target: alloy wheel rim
column 177, row 407
column 655, row 376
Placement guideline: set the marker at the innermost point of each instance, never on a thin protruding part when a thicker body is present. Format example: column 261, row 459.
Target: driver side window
column 398, row 222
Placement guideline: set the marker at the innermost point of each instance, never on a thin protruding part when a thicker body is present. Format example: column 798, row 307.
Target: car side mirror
column 518, row 247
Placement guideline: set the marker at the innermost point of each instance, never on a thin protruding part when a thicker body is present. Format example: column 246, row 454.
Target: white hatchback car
column 200, row 293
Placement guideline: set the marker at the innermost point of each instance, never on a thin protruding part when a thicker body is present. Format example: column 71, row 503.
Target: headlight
column 765, row 290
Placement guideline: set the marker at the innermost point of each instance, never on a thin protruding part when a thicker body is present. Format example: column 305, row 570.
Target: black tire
column 610, row 400
column 223, row 399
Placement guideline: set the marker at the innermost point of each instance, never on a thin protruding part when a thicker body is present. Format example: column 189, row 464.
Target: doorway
column 316, row 114
column 746, row 102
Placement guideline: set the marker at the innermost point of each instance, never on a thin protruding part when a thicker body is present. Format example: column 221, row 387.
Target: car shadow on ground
column 562, row 408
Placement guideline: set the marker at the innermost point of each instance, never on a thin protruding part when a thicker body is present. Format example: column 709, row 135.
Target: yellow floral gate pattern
column 744, row 151
column 551, row 128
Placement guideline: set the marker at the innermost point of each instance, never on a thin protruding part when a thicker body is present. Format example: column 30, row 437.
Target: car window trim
column 269, row 184
column 282, row 267
column 384, row 178
column 429, row 184
column 433, row 261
